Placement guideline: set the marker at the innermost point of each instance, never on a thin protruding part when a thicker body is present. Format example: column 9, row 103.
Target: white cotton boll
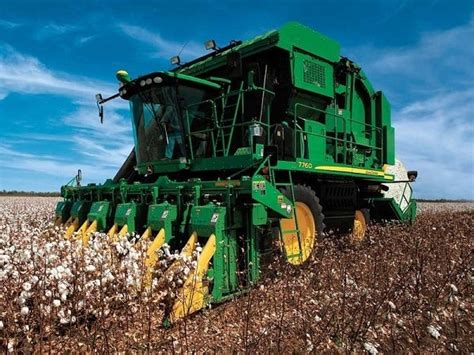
column 11, row 344
column 24, row 310
column 34, row 279
column 433, row 331
column 21, row 300
column 64, row 296
column 56, row 303
column 62, row 287
column 25, row 294
column 48, row 293
column 392, row 305
column 1, row 324
column 90, row 268
column 4, row 259
column 454, row 289
column 370, row 348
column 26, row 328
column 26, row 286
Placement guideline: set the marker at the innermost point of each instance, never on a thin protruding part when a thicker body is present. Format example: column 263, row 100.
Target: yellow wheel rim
column 360, row 227
column 297, row 255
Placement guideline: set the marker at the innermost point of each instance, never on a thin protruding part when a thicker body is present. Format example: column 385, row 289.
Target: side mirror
column 99, row 100
column 101, row 113
column 412, row 175
column 79, row 177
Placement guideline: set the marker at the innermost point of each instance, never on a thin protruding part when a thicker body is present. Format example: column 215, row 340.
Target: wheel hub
column 298, row 249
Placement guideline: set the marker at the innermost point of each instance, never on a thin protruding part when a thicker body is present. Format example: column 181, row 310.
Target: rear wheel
column 359, row 229
column 309, row 218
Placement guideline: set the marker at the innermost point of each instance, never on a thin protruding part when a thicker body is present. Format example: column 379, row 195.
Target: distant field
column 445, row 206
column 405, row 289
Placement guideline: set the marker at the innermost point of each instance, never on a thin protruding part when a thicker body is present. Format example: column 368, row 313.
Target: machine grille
column 314, row 73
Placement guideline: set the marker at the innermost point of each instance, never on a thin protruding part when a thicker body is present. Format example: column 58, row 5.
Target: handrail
column 344, row 141
column 218, row 123
column 325, row 112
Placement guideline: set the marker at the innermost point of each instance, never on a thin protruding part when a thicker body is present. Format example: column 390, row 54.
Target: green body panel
column 63, row 210
column 131, row 214
column 212, row 219
column 267, row 194
column 160, row 216
column 312, row 74
column 80, row 209
column 101, row 212
column 259, row 214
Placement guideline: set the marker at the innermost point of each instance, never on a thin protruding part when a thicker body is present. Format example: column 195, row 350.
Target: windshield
column 159, row 128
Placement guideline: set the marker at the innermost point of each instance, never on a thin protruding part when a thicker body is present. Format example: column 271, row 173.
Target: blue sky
column 55, row 55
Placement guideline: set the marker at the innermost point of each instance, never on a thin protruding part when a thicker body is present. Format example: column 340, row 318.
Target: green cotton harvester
column 258, row 145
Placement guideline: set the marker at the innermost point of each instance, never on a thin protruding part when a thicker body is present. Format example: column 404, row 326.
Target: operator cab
column 166, row 107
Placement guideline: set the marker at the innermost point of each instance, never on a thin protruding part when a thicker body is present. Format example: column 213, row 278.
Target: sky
column 56, row 55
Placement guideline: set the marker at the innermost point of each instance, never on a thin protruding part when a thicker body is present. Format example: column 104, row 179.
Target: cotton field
column 49, row 284
column 406, row 289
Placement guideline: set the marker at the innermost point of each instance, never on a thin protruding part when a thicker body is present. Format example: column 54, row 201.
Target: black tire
column 366, row 213
column 306, row 195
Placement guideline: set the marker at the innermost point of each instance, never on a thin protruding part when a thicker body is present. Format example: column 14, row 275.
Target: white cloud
column 9, row 24
column 54, row 29
column 85, row 39
column 436, row 137
column 107, row 144
column 21, row 73
column 164, row 48
column 13, row 159
column 100, row 149
column 431, row 88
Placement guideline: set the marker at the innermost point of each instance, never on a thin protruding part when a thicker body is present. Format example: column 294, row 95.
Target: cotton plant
column 62, row 282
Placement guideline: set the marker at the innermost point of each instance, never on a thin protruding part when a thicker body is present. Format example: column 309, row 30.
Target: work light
column 210, row 44
column 175, row 60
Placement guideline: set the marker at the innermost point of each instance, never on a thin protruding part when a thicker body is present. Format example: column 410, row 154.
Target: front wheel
column 309, row 219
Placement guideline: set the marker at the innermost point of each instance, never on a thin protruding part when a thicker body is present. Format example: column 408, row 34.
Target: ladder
column 293, row 202
column 230, row 112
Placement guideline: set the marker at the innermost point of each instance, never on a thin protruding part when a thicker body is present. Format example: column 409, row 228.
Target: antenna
column 182, row 48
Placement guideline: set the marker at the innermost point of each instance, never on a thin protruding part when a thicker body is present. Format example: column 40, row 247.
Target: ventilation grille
column 314, row 73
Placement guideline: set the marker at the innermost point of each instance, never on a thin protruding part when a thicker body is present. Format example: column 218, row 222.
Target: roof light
column 149, row 81
column 157, row 80
column 175, row 60
column 142, row 83
column 210, row 44
column 123, row 76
